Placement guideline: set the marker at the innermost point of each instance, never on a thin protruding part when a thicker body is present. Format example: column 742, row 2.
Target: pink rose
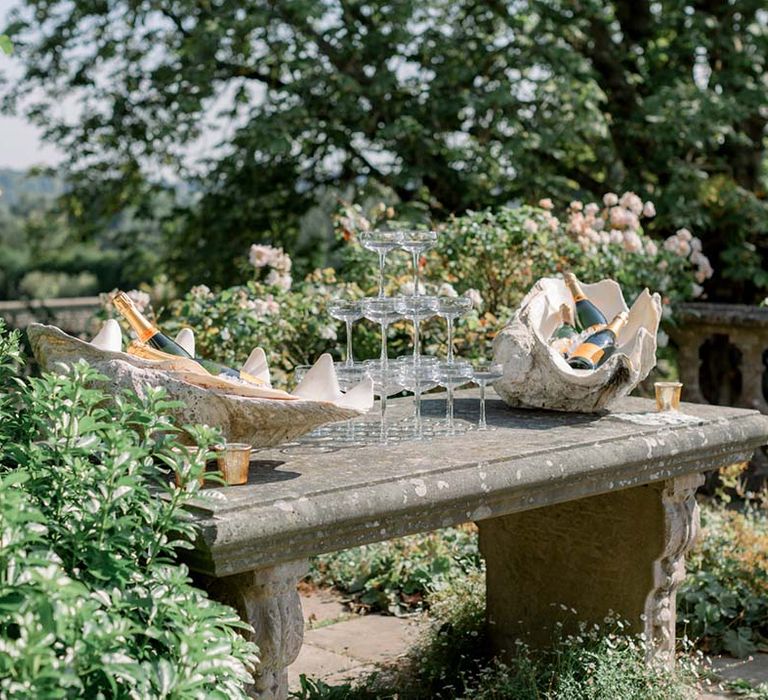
column 546, row 203
column 610, row 199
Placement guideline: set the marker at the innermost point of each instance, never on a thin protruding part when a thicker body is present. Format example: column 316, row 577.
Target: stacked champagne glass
column 414, row 372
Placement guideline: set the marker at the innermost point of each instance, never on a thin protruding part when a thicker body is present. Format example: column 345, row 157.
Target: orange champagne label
column 589, row 351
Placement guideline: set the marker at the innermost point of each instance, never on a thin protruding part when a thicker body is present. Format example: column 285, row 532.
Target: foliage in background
column 492, row 257
column 396, row 576
column 43, row 257
column 443, row 106
column 452, row 661
column 93, row 602
column 723, row 602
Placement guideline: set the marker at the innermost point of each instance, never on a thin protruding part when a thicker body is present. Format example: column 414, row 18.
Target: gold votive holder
column 668, row 395
column 233, row 460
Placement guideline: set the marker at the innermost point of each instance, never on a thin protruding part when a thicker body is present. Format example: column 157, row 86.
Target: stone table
column 578, row 515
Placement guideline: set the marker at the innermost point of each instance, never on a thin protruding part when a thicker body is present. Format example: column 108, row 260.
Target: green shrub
column 494, row 257
column 92, row 600
column 395, row 576
column 723, row 602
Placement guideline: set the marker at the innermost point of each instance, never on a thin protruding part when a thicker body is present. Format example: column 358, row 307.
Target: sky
column 20, row 144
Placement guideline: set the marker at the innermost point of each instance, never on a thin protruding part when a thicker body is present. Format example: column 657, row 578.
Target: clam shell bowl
column 255, row 414
column 537, row 376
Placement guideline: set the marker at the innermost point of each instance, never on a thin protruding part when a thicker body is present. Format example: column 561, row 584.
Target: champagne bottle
column 587, row 314
column 565, row 329
column 148, row 334
column 599, row 346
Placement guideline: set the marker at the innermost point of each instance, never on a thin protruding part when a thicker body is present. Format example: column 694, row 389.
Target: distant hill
column 18, row 185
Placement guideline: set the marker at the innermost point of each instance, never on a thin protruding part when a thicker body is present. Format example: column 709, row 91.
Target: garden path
column 340, row 646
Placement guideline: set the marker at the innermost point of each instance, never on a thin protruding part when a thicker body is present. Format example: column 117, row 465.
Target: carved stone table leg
column 621, row 552
column 268, row 600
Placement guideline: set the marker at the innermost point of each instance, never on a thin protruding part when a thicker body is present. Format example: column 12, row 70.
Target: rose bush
column 493, row 257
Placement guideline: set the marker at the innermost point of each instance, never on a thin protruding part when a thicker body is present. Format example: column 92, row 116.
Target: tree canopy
column 445, row 105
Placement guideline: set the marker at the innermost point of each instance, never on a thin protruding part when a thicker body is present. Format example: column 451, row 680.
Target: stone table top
column 298, row 503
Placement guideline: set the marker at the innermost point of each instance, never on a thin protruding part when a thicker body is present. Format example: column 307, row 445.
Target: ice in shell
column 255, row 414
column 537, row 376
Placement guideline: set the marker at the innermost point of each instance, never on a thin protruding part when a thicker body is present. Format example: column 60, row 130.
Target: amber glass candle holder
column 233, row 460
column 668, row 395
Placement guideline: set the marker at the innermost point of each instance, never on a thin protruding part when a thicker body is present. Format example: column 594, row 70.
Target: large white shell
column 258, row 421
column 537, row 376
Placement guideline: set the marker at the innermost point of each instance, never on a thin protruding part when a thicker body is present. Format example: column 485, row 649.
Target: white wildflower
column 529, row 226
column 446, row 290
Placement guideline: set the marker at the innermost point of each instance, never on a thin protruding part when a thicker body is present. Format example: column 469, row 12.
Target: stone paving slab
column 368, row 639
column 317, row 663
column 340, row 646
column 322, row 606
column 753, row 669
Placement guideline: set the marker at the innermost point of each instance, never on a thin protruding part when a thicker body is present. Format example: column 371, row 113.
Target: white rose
column 475, row 297
column 632, row 242
column 278, row 279
column 610, row 199
column 446, row 290
column 327, row 333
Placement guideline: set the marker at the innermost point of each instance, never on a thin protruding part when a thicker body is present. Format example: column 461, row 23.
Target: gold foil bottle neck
column 574, row 286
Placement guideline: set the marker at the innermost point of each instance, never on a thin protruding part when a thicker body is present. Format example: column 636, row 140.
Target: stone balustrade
column 723, row 359
column 723, row 350
column 71, row 314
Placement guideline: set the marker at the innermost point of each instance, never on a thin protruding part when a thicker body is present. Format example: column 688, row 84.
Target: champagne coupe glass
column 450, row 308
column 419, row 378
column 381, row 242
column 387, row 380
column 417, row 242
column 299, row 372
column 349, row 377
column 417, row 309
column 452, row 375
column 486, row 373
column 381, row 310
column 349, row 311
